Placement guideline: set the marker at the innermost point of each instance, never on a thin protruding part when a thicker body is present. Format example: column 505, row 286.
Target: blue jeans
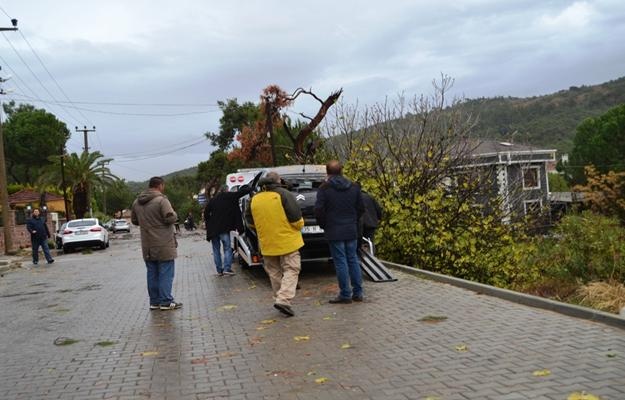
column 222, row 240
column 35, row 243
column 160, row 281
column 345, row 257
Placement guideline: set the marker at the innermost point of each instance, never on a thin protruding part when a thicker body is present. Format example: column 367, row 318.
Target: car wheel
column 102, row 245
column 108, row 243
column 67, row 249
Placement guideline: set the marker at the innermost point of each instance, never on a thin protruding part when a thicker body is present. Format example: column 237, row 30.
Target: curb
column 517, row 297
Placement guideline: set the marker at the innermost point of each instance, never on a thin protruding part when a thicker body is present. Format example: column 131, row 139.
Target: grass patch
column 604, row 296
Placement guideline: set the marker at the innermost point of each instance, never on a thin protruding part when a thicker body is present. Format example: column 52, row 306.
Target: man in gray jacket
column 153, row 213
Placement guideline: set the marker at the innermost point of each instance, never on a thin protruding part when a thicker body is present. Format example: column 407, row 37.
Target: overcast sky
column 144, row 52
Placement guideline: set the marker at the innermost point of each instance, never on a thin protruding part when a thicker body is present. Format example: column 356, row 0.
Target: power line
column 149, row 152
column 180, row 114
column 104, row 103
column 160, row 154
column 37, row 78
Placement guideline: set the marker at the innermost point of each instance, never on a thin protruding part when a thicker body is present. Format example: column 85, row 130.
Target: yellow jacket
column 278, row 221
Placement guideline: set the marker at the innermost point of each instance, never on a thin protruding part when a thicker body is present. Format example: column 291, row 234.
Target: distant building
column 520, row 173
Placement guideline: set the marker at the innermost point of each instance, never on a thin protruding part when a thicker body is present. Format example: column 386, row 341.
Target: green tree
column 117, row 195
column 234, row 118
column 32, row 135
column 84, row 173
column 599, row 142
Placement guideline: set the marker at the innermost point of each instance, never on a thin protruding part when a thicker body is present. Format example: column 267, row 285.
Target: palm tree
column 83, row 173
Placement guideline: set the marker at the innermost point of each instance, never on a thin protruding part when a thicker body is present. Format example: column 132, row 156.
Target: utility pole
column 4, row 193
column 85, row 131
column 63, row 182
column 269, row 110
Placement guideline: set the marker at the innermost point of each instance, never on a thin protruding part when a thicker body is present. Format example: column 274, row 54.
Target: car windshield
column 84, row 222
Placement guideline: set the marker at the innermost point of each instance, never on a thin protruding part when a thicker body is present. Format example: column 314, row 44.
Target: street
column 411, row 339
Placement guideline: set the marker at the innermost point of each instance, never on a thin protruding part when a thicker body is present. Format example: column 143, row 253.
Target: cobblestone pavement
column 227, row 342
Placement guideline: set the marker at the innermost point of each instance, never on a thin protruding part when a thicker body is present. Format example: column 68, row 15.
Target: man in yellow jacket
column 278, row 222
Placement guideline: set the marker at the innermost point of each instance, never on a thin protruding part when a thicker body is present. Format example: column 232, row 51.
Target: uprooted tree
column 296, row 141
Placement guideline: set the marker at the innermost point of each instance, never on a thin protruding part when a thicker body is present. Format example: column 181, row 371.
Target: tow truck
column 303, row 181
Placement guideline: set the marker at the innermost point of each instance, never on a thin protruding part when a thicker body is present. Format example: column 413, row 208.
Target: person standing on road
column 39, row 235
column 222, row 215
column 277, row 219
column 338, row 208
column 372, row 216
column 153, row 213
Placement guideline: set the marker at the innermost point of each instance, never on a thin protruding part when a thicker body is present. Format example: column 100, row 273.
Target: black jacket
column 338, row 207
column 222, row 214
column 373, row 212
column 39, row 227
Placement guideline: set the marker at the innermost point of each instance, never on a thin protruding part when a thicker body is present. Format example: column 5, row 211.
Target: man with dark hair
column 338, row 208
column 277, row 219
column 222, row 215
column 153, row 213
column 39, row 235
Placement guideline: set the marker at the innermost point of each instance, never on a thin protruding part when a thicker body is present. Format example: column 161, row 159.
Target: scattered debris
column 301, row 338
column 433, row 319
column 462, row 348
column 64, row 341
column 542, row 372
column 106, row 343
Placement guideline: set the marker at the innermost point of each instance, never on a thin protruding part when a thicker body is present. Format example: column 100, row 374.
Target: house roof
column 489, row 146
column 28, row 196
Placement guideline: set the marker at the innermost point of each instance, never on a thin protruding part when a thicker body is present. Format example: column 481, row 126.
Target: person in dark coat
column 338, row 208
column 371, row 218
column 39, row 235
column 222, row 215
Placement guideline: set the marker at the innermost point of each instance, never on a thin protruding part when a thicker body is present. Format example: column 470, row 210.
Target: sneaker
column 229, row 273
column 35, row 262
column 154, row 307
column 220, row 274
column 340, row 300
column 50, row 262
column 170, row 306
column 359, row 299
column 284, row 309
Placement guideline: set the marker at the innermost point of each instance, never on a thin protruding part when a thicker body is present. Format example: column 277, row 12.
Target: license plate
column 312, row 229
column 81, row 232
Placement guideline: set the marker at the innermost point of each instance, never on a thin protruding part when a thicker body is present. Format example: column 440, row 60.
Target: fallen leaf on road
column 261, row 328
column 346, row 346
column 268, row 321
column 105, row 343
column 328, row 318
column 542, row 372
column 611, row 355
column 255, row 340
column 311, row 373
column 321, row 380
column 433, row 319
column 462, row 348
column 64, row 341
column 582, row 396
column 432, row 398
column 201, row 360
column 301, row 338
column 228, row 307
column 149, row 353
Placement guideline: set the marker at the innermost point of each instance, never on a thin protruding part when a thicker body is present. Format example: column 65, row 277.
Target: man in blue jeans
column 39, row 235
column 222, row 215
column 153, row 213
column 338, row 207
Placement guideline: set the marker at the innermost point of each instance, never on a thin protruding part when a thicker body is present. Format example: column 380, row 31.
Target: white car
column 120, row 225
column 86, row 232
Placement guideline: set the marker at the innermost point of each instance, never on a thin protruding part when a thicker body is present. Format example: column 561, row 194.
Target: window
column 531, row 178
column 532, row 207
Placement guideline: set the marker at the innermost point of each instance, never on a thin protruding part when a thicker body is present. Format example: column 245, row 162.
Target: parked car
column 86, row 232
column 58, row 236
column 108, row 225
column 120, row 225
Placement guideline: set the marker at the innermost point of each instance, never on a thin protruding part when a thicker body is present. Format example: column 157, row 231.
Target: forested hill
column 548, row 121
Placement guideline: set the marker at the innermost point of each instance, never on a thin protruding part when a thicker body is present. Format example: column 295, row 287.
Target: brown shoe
column 340, row 300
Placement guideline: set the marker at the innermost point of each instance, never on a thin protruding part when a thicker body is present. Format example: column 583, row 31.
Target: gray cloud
column 196, row 52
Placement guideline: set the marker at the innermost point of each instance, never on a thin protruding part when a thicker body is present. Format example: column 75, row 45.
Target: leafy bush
column 585, row 247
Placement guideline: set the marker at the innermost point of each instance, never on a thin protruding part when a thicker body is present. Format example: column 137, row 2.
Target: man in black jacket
column 39, row 235
column 338, row 207
column 222, row 215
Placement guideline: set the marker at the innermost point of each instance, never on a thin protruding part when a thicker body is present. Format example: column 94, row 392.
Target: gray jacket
column 153, row 213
